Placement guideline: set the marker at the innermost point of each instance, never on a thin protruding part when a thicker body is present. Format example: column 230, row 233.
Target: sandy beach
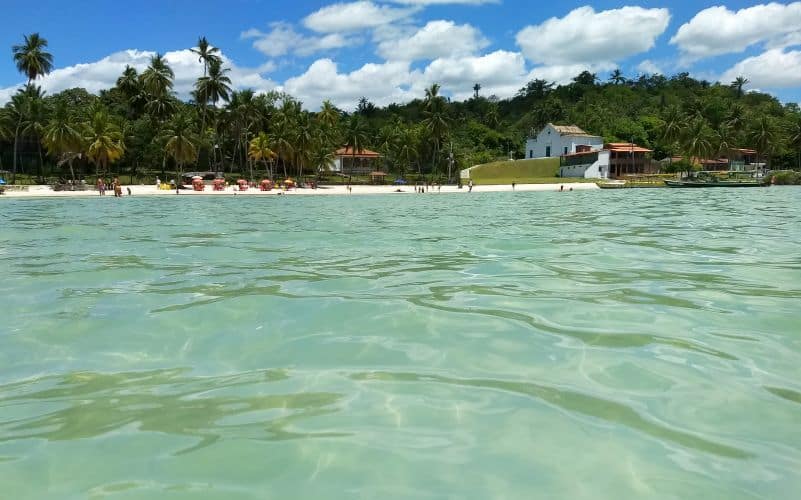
column 148, row 190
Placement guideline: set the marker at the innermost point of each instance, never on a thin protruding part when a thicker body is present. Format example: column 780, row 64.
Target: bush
column 786, row 178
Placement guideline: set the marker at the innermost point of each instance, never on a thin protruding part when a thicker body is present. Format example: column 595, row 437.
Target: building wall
column 596, row 170
column 537, row 147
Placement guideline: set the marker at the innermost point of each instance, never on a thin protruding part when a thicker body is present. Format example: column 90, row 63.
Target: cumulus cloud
column 434, row 40
column 355, row 16
column 282, row 39
column 103, row 74
column 445, row 2
column 648, row 67
column 585, row 36
column 718, row 30
column 381, row 83
column 773, row 69
column 501, row 73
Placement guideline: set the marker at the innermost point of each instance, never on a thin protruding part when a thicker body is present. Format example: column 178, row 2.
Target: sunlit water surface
column 644, row 343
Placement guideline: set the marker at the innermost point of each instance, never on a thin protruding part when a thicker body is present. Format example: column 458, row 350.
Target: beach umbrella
column 400, row 181
column 197, row 178
column 2, row 182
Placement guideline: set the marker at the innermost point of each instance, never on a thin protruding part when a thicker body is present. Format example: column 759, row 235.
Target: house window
column 547, row 151
column 565, row 149
column 531, row 153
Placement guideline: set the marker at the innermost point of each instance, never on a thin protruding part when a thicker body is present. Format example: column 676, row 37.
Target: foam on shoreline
column 147, row 190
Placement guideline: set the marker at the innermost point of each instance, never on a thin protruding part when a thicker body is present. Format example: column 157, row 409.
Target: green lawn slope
column 534, row 171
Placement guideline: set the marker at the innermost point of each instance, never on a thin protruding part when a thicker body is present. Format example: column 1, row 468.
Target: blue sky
column 390, row 50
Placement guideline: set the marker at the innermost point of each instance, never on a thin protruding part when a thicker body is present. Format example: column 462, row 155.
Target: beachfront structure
column 737, row 160
column 616, row 159
column 363, row 162
column 557, row 140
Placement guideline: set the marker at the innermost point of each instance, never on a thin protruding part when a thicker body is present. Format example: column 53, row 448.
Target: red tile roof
column 361, row 153
column 626, row 147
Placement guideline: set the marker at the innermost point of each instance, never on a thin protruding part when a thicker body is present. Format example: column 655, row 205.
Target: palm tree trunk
column 41, row 163
column 16, row 147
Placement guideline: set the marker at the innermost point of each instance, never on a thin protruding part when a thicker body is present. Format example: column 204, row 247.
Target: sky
column 391, row 50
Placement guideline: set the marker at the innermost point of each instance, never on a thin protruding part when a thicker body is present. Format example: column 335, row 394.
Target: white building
column 558, row 140
column 586, row 164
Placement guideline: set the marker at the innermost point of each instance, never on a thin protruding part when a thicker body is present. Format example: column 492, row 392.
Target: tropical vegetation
column 141, row 128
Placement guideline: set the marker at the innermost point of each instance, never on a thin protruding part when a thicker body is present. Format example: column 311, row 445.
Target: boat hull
column 695, row 184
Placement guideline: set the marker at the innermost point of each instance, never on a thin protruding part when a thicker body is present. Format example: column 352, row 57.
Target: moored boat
column 713, row 179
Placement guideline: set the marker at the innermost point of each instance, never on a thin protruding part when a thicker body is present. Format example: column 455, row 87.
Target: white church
column 558, row 140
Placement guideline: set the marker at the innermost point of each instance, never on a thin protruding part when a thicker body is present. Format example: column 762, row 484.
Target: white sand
column 46, row 191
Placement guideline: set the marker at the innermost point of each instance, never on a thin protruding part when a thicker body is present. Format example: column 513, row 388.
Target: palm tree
column 33, row 61
column 282, row 142
column 673, row 125
column 206, row 54
column 32, row 58
column 328, row 115
column 259, row 150
column 180, row 143
column 617, row 77
column 356, row 136
column 33, row 121
column 436, row 121
column 158, row 77
column 724, row 140
column 130, row 85
column 763, row 135
column 103, row 140
column 6, row 129
column 304, row 142
column 62, row 136
column 738, row 85
column 214, row 87
column 696, row 141
column 795, row 137
column 476, row 88
column 735, row 117
column 406, row 151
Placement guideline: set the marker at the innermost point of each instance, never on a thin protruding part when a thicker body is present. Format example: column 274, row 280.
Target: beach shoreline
column 43, row 191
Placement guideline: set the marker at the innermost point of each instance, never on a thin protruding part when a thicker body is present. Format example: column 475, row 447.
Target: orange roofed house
column 615, row 160
column 363, row 162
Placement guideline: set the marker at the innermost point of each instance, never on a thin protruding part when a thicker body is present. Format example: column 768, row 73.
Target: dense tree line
column 140, row 127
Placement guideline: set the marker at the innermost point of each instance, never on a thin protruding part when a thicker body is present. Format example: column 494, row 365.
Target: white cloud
column 381, row 83
column 585, row 36
column 435, row 39
column 500, row 73
column 354, row 16
column 773, row 69
column 103, row 74
column 718, row 30
column 282, row 39
column 648, row 67
column 445, row 2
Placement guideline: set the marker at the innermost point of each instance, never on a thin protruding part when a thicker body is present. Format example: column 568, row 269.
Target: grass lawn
column 531, row 180
column 534, row 171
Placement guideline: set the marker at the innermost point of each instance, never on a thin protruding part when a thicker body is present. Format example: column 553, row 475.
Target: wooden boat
column 611, row 184
column 692, row 183
column 713, row 179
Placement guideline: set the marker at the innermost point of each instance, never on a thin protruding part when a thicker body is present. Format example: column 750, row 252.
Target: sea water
column 609, row 344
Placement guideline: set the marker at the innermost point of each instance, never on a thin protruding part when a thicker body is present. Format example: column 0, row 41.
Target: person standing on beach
column 513, row 186
column 117, row 188
column 470, row 186
column 158, row 183
column 101, row 186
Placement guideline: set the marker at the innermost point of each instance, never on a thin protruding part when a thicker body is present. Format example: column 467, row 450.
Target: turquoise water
column 610, row 344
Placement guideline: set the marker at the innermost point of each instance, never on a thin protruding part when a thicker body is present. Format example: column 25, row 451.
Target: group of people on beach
column 115, row 185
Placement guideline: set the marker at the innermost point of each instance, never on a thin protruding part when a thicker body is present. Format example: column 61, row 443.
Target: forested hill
column 139, row 126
